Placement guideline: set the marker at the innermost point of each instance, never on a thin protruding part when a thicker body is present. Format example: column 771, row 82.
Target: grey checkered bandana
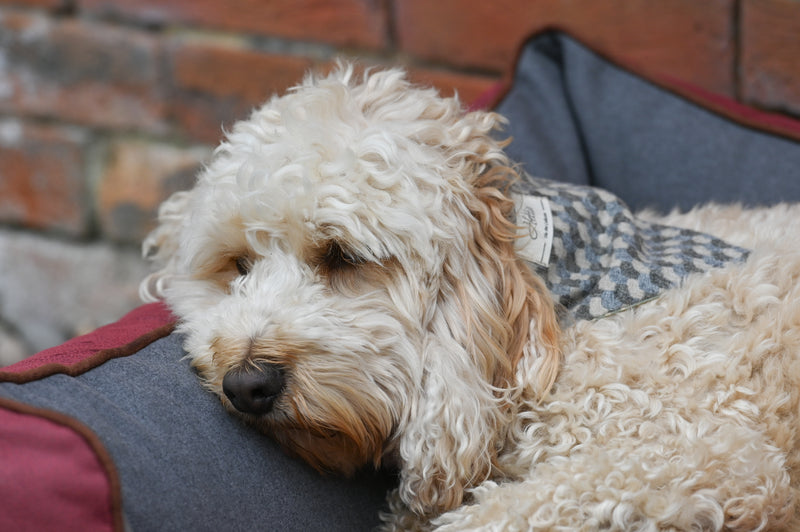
column 604, row 259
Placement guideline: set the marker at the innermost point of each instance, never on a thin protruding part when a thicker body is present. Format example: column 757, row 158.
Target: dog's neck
column 596, row 257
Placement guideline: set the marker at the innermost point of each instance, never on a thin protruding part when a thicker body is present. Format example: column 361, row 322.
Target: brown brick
column 469, row 87
column 770, row 60
column 46, row 4
column 235, row 72
column 215, row 84
column 52, row 289
column 139, row 175
column 360, row 23
column 684, row 38
column 42, row 183
column 81, row 72
column 446, row 81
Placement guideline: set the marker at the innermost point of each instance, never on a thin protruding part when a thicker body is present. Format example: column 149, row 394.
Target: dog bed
column 113, row 431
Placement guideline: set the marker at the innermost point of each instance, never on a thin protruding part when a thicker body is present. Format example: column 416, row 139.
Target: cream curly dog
column 347, row 278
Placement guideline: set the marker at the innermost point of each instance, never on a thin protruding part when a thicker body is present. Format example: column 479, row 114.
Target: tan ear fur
column 492, row 313
column 526, row 307
column 528, row 322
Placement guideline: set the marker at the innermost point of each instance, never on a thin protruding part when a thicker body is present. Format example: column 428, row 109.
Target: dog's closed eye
column 337, row 258
column 351, row 273
column 243, row 265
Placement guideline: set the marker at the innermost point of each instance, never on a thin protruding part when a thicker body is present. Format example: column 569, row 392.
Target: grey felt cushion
column 577, row 118
column 186, row 464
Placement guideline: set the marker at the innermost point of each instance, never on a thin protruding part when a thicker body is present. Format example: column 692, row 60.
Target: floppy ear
column 161, row 245
column 492, row 312
column 514, row 322
column 524, row 331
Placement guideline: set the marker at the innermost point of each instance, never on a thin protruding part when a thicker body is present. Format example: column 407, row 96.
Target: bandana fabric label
column 603, row 259
column 535, row 221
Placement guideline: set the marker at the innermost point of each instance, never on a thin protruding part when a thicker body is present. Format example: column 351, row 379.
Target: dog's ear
column 161, row 245
column 520, row 332
column 494, row 335
column 514, row 323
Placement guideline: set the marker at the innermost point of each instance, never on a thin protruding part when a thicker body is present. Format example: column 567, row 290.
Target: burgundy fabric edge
column 92, row 361
column 719, row 104
column 94, row 443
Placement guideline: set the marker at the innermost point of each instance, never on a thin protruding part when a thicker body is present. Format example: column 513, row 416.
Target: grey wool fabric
column 577, row 118
column 605, row 259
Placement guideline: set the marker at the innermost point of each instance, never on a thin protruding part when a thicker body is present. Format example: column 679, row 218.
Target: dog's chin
column 336, row 452
column 322, row 421
column 331, row 446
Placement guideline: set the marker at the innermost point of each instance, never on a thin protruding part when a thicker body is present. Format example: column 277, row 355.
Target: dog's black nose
column 253, row 389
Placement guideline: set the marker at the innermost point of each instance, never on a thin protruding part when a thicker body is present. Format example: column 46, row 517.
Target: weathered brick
column 446, row 81
column 51, row 290
column 770, row 45
column 235, row 72
column 468, row 86
column 339, row 22
column 45, row 4
column 82, row 72
column 12, row 346
column 139, row 175
column 684, row 38
column 216, row 84
column 42, row 183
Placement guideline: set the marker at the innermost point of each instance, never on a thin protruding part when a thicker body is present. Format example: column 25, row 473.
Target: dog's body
column 346, row 276
column 681, row 414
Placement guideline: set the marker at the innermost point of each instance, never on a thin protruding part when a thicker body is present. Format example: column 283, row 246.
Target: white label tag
column 536, row 229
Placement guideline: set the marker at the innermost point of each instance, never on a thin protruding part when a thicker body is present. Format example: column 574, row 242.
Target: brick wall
column 107, row 106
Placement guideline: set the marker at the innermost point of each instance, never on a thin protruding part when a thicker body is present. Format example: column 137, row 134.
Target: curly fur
column 356, row 232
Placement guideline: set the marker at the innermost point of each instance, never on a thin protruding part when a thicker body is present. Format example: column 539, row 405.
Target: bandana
column 597, row 258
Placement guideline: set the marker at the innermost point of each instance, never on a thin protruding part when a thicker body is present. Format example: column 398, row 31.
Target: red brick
column 215, row 84
column 46, row 4
column 139, row 175
column 446, row 81
column 338, row 22
column 468, row 86
column 52, row 289
column 683, row 38
column 81, row 72
column 770, row 58
column 235, row 72
column 42, row 183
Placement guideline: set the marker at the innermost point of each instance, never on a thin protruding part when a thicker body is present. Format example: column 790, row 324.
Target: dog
column 348, row 277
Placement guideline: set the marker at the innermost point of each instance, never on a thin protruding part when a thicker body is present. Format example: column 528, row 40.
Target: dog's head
column 344, row 272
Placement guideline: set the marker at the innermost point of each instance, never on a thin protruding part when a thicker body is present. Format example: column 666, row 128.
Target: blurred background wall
column 107, row 106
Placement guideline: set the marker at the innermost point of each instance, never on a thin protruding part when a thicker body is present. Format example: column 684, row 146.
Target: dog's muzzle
column 253, row 389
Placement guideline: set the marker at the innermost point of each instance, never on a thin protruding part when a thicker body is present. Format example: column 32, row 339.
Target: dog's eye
column 243, row 265
column 337, row 257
